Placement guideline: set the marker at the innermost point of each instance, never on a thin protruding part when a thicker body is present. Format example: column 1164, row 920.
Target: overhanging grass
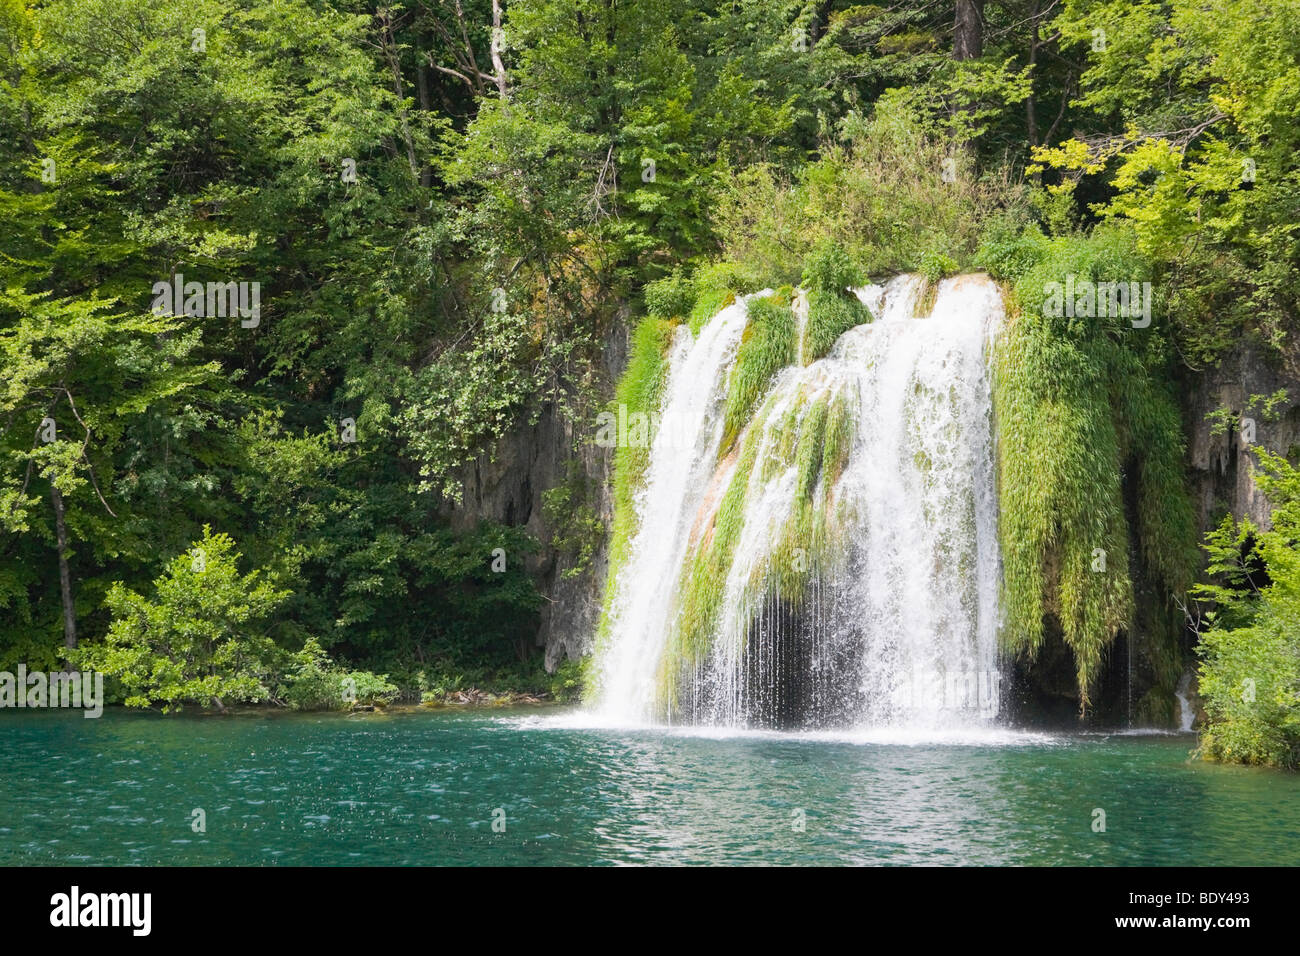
column 1078, row 403
column 830, row 315
column 813, row 437
column 767, row 346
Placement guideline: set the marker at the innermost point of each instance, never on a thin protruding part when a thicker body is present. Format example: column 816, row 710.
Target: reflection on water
column 420, row 788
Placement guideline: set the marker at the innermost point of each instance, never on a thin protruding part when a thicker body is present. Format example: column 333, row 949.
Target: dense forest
column 274, row 275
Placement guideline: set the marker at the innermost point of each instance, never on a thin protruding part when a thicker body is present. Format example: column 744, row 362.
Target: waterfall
column 681, row 463
column 1186, row 712
column 838, row 565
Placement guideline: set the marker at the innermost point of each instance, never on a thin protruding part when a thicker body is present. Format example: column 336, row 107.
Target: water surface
column 420, row 788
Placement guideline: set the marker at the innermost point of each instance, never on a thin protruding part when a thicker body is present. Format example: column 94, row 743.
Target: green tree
column 203, row 637
column 1193, row 110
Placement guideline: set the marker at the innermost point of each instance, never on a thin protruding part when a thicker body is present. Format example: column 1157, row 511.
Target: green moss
column 1078, row 406
column 767, row 346
column 830, row 315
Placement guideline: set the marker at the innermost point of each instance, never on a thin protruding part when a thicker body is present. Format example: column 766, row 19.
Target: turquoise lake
column 420, row 788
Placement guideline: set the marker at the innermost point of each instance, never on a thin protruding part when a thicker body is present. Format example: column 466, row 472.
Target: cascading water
column 681, row 463
column 1186, row 712
column 837, row 565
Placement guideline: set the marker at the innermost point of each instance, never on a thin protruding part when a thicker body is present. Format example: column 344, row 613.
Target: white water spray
column 681, row 465
column 1186, row 712
column 897, row 626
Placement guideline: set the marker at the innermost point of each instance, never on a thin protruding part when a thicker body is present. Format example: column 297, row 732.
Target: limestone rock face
column 507, row 485
column 1221, row 466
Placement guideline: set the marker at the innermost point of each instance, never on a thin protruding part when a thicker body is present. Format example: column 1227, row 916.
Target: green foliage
column 1268, row 404
column 1082, row 406
column 1199, row 102
column 203, row 638
column 716, row 286
column 788, row 144
column 1221, row 420
column 670, row 297
column 935, row 265
column 828, row 268
column 1250, row 656
column 830, row 315
column 577, row 531
column 375, row 690
column 479, row 391
column 228, row 162
column 569, row 679
column 504, row 684
column 314, row 682
column 638, row 391
column 484, row 615
column 880, row 197
column 1008, row 248
column 767, row 346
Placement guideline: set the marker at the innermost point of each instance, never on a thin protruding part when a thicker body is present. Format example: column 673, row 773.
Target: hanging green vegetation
column 638, row 391
column 767, row 346
column 809, row 432
column 1081, row 410
column 828, row 275
column 704, row 577
column 669, row 301
column 830, row 315
column 814, row 438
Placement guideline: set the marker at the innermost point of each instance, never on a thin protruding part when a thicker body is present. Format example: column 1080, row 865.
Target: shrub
column 1250, row 656
column 829, row 268
column 202, row 638
column 670, row 297
column 880, row 195
column 315, row 682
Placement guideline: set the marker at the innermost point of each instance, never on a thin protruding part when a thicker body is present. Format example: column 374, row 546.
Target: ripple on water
column 422, row 788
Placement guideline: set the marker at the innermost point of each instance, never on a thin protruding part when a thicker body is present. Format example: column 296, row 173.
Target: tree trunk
column 65, row 578
column 968, row 30
column 498, row 42
column 1031, row 105
column 422, row 91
